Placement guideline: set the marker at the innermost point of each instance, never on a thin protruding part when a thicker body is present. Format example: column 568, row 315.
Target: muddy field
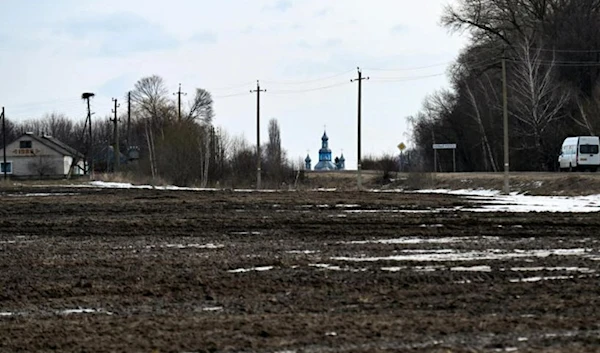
column 105, row 270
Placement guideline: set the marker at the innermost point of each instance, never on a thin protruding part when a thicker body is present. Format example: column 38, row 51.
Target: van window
column 588, row 149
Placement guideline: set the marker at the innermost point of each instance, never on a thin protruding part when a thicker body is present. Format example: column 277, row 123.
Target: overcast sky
column 304, row 52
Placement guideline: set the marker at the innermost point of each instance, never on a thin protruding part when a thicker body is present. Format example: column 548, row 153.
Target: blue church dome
column 325, row 162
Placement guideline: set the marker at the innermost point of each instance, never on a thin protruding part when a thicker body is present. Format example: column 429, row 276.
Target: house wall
column 39, row 160
column 67, row 164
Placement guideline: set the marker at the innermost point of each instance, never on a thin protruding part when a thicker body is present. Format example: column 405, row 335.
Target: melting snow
column 306, row 252
column 567, row 269
column 472, row 269
column 491, row 254
column 337, row 268
column 257, row 269
column 493, row 201
column 42, row 194
column 85, row 311
column 197, row 246
column 213, row 308
column 6, row 313
column 538, row 279
column 394, row 269
column 406, row 240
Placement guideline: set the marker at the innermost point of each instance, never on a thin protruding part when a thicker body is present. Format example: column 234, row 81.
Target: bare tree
column 42, row 165
column 201, row 107
column 150, row 102
column 537, row 98
column 477, row 116
column 583, row 106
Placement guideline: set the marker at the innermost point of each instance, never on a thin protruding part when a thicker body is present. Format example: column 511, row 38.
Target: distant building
column 307, row 162
column 41, row 156
column 325, row 160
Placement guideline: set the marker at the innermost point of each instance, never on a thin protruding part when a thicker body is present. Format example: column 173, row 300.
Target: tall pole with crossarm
column 358, row 154
column 258, row 157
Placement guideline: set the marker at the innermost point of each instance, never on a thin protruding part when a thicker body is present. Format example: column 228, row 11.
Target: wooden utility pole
column 178, row 94
column 128, row 122
column 258, row 156
column 88, row 121
column 358, row 155
column 116, row 150
column 505, row 116
column 4, row 144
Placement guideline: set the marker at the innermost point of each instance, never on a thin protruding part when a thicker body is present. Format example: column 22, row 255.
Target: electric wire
column 307, row 81
column 310, row 89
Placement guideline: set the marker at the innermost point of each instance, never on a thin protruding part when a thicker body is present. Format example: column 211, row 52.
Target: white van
column 580, row 153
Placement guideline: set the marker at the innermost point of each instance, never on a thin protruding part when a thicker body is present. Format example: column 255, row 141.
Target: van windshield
column 588, row 149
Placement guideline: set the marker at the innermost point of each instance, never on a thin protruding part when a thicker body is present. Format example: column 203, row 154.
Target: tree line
column 178, row 147
column 551, row 50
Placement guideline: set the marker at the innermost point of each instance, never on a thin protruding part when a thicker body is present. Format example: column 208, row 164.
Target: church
column 325, row 162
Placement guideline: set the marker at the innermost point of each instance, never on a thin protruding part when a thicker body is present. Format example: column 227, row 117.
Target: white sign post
column 444, row 146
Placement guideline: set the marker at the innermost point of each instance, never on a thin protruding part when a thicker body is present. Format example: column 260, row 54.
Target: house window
column 25, row 144
column 7, row 167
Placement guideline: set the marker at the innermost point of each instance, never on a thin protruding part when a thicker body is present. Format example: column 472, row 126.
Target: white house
column 40, row 156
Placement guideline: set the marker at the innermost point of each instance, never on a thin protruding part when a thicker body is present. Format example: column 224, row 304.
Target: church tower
column 325, row 155
column 307, row 165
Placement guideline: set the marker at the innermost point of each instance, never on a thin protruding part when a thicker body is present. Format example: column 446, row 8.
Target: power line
column 412, row 68
column 227, row 88
column 563, row 63
column 310, row 89
column 232, row 95
column 582, row 51
column 404, row 79
column 309, row 81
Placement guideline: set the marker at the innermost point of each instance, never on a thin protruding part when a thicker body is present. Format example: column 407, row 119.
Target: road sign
column 444, row 146
column 401, row 146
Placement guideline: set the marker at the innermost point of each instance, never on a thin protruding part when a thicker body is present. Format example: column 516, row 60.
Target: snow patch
column 472, row 269
column 491, row 254
column 407, row 240
column 538, row 279
column 566, row 269
column 255, row 269
column 196, row 246
column 85, row 311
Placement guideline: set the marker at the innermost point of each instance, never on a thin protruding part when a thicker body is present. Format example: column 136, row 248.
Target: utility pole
column 258, row 156
column 128, row 122
column 4, row 143
column 86, row 96
column 505, row 113
column 178, row 94
column 359, row 79
column 116, row 150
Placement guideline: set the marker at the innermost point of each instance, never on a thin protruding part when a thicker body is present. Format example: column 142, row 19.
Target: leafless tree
column 201, row 107
column 477, row 117
column 537, row 99
column 150, row 102
column 42, row 165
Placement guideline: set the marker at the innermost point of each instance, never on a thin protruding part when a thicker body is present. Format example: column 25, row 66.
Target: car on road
column 580, row 153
